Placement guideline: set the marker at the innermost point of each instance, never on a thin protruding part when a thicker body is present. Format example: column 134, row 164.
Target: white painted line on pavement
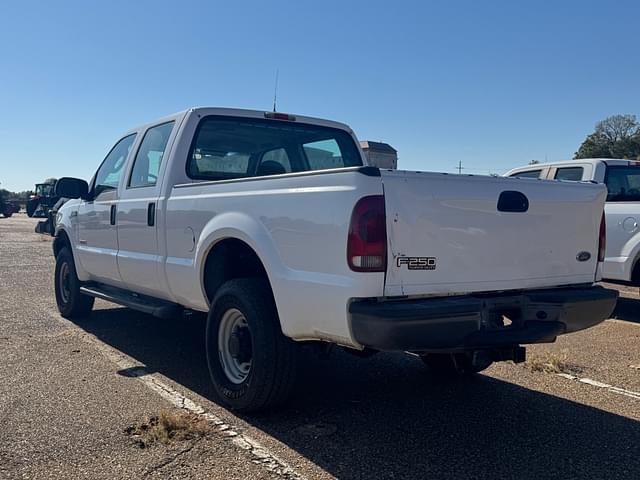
column 259, row 454
column 606, row 386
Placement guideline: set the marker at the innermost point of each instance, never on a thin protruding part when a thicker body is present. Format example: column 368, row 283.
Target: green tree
column 617, row 136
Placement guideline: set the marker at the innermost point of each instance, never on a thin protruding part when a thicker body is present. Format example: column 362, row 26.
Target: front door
column 97, row 246
column 139, row 259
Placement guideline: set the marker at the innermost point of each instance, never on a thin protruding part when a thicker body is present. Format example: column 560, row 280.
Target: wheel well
column 635, row 273
column 229, row 259
column 61, row 240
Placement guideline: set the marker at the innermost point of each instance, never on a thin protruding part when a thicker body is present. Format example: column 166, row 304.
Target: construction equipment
column 43, row 199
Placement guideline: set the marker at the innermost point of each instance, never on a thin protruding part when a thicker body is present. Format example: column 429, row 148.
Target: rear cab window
column 623, row 183
column 226, row 148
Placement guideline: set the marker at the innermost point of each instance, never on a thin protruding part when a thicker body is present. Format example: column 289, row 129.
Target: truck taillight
column 602, row 239
column 367, row 241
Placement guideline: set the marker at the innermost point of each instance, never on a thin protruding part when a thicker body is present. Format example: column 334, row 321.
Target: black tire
column 452, row 365
column 32, row 206
column 273, row 357
column 71, row 303
column 8, row 214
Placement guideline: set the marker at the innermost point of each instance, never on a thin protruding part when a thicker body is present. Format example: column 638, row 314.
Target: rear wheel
column 252, row 364
column 456, row 364
column 71, row 302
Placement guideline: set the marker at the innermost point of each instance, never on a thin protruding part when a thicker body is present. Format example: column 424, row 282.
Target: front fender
column 66, row 223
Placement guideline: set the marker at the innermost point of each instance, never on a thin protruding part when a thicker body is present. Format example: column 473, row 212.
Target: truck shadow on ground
column 386, row 417
column 627, row 309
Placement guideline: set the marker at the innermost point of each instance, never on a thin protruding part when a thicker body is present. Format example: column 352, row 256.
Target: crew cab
column 274, row 226
column 622, row 207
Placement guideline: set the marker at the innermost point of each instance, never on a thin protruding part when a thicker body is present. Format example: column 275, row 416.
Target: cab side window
column 527, row 174
column 108, row 175
column 573, row 174
column 146, row 165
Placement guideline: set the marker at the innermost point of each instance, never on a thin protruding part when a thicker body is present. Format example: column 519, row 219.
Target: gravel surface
column 64, row 405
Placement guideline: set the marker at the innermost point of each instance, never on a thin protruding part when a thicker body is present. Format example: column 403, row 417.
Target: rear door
column 97, row 246
column 139, row 259
column 452, row 234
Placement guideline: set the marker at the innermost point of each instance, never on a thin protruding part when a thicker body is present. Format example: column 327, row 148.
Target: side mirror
column 72, row 188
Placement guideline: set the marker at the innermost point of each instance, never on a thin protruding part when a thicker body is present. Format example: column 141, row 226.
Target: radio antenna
column 275, row 90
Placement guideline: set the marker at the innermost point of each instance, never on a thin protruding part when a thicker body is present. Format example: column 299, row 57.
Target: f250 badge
column 417, row 263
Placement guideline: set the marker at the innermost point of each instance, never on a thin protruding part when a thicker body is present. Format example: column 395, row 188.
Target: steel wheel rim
column 65, row 288
column 235, row 367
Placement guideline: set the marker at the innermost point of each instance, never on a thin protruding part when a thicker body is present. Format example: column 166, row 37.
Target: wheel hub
column 240, row 344
column 235, row 348
column 65, row 288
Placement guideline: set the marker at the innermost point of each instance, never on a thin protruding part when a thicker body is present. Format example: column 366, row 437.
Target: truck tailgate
column 446, row 234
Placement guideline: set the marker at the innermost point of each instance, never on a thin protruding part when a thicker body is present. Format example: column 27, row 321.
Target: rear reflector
column 280, row 116
column 367, row 241
column 602, row 239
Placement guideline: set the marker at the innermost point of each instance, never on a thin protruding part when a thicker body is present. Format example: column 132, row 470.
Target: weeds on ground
column 550, row 362
column 167, row 426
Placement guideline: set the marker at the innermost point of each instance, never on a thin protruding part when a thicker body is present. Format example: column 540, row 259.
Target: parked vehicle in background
column 622, row 208
column 7, row 208
column 275, row 225
column 43, row 199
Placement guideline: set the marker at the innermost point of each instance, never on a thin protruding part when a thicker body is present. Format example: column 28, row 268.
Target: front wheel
column 456, row 364
column 71, row 302
column 252, row 364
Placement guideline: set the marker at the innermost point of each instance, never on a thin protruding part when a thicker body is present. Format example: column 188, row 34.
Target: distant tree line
column 617, row 136
column 8, row 195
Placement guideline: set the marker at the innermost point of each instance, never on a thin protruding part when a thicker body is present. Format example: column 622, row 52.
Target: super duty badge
column 417, row 263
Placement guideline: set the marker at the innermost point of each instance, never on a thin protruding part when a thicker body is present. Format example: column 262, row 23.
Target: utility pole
column 460, row 167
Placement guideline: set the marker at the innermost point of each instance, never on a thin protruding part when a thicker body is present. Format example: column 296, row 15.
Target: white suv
column 622, row 209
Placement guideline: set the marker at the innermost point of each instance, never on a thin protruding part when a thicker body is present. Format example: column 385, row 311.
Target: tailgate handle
column 512, row 201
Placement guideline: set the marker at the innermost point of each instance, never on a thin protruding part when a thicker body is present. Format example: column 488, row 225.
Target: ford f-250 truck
column 274, row 225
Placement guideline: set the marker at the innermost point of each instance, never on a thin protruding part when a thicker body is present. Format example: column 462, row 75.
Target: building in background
column 380, row 154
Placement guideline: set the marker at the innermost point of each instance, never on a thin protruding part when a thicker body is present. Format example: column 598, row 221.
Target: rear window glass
column 569, row 173
column 623, row 184
column 527, row 174
column 226, row 147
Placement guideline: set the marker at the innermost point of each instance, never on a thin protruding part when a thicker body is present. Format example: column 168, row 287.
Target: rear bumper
column 475, row 322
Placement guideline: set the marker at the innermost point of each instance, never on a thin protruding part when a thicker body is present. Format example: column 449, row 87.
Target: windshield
column 623, row 184
column 44, row 189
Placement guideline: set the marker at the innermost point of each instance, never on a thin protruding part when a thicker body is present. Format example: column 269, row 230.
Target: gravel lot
column 66, row 401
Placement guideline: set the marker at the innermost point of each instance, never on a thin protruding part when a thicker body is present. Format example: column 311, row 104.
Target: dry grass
column 168, row 426
column 550, row 362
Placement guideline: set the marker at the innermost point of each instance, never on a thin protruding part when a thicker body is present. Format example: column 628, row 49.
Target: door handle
column 151, row 214
column 112, row 215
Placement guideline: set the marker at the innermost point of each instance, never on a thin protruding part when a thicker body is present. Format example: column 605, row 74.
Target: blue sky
column 493, row 84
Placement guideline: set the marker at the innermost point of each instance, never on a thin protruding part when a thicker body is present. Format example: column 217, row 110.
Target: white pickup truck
column 622, row 207
column 275, row 226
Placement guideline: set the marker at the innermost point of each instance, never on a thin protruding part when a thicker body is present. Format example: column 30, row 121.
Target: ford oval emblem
column 583, row 256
